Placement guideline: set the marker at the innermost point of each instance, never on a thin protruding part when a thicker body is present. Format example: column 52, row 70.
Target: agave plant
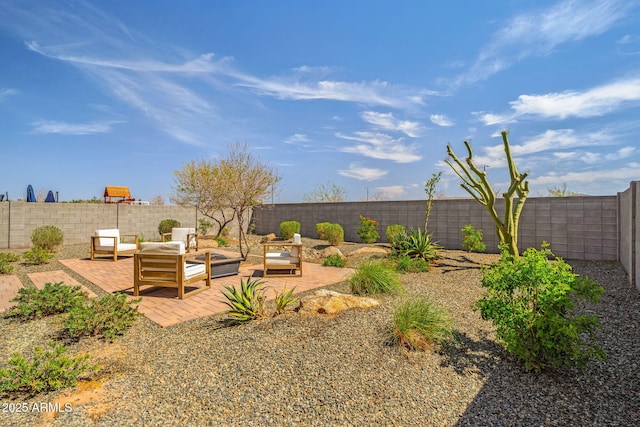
column 417, row 244
column 284, row 300
column 245, row 304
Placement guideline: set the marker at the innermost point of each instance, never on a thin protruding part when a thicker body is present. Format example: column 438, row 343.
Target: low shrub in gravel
column 46, row 371
column 419, row 324
column 472, row 239
column 334, row 260
column 109, row 316
column 53, row 298
column 393, row 232
column 334, row 234
column 375, row 277
column 5, row 267
column 246, row 304
column 531, row 301
column 367, row 230
column 47, row 237
column 405, row 264
column 416, row 244
column 36, row 256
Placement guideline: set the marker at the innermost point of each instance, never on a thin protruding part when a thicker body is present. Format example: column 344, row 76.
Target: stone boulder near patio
column 324, row 301
column 368, row 252
column 332, row 250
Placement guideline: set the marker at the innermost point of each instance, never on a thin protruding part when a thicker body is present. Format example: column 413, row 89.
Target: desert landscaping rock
column 324, row 301
column 295, row 370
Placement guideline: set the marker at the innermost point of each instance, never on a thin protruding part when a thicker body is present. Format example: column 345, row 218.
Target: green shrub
column 288, row 229
column 394, row 232
column 416, row 244
column 47, row 237
column 472, row 239
column 367, row 230
column 531, row 301
column 109, row 316
column 334, row 234
column 53, row 298
column 406, row 264
column 166, row 225
column 46, row 371
column 334, row 260
column 245, row 304
column 204, row 226
column 9, row 257
column 320, row 227
column 5, row 267
column 284, row 300
column 221, row 241
column 374, row 277
column 419, row 324
column 37, row 256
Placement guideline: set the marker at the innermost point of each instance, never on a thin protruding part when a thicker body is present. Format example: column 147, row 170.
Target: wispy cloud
column 297, row 138
column 387, row 121
column 593, row 102
column 380, row 146
column 621, row 175
column 73, row 128
column 441, row 120
column 362, row 173
column 590, row 157
column 539, row 33
column 5, row 93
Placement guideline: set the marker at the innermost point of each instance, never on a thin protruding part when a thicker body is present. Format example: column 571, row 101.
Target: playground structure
column 117, row 194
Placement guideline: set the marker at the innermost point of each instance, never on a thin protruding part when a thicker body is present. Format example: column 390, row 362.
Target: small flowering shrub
column 472, row 239
column 367, row 230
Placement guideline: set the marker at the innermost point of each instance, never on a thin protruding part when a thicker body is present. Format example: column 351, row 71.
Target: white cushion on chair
column 107, row 243
column 180, row 235
column 162, row 248
column 191, row 270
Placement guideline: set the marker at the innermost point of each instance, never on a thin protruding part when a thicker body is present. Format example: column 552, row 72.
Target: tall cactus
column 475, row 182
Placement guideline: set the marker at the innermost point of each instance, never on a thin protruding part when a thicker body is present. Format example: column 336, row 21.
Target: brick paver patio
column 162, row 306
column 9, row 285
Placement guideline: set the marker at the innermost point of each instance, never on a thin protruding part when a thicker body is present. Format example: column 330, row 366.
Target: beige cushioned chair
column 107, row 242
column 186, row 235
column 286, row 263
column 166, row 264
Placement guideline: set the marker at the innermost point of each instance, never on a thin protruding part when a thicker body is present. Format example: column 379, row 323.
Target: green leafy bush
column 109, row 316
column 47, row 237
column 405, row 264
column 166, row 225
column 531, row 301
column 53, row 298
column 394, row 232
column 245, row 304
column 472, row 239
column 367, row 230
column 9, row 257
column 284, row 300
column 416, row 244
column 334, row 260
column 419, row 324
column 374, row 277
column 221, row 241
column 46, row 371
column 5, row 266
column 334, row 234
column 320, row 227
column 288, row 229
column 204, row 226
column 37, row 256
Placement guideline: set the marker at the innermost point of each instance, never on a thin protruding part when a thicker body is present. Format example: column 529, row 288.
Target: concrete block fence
column 579, row 227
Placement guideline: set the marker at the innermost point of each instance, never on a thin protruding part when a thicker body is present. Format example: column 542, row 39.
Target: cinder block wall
column 575, row 227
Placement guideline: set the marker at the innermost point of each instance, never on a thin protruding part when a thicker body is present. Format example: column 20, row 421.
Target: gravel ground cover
column 338, row 371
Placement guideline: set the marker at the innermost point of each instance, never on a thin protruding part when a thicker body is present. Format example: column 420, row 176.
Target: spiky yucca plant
column 417, row 244
column 245, row 304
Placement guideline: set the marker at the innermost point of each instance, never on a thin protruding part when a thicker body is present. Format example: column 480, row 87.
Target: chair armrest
column 136, row 237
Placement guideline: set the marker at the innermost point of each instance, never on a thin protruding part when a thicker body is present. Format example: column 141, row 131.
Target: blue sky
column 363, row 94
